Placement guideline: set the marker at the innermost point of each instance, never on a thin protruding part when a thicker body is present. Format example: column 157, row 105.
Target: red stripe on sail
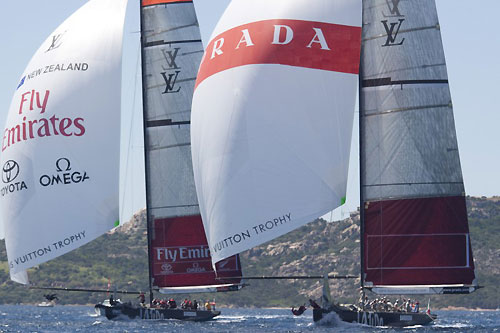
column 180, row 255
column 418, row 242
column 316, row 45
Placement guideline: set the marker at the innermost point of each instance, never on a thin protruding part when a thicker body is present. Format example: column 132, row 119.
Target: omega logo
column 64, row 175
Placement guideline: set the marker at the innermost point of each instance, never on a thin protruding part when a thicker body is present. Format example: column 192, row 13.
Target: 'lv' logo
column 170, row 81
column 171, row 78
column 391, row 34
column 394, row 9
column 170, row 58
column 56, row 42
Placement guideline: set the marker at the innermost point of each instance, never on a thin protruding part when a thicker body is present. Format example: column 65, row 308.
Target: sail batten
column 415, row 218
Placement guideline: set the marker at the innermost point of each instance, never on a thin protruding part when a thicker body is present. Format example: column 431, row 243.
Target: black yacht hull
column 374, row 318
column 126, row 312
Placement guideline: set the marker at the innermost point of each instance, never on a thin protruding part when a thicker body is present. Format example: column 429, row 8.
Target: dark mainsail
column 172, row 51
column 416, row 235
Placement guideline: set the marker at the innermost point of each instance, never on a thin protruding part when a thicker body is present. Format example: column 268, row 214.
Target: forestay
column 416, row 232
column 272, row 118
column 60, row 150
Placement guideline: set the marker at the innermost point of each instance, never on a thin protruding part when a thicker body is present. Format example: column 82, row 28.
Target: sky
column 472, row 49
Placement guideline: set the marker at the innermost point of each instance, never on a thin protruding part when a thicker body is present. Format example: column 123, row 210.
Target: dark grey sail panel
column 172, row 53
column 408, row 132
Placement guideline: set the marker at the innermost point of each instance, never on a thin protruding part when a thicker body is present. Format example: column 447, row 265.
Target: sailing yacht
column 270, row 153
column 60, row 152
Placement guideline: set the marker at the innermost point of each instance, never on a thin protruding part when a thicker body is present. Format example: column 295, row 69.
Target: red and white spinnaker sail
column 272, row 118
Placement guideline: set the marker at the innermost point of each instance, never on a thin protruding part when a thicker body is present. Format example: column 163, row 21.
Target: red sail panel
column 180, row 255
column 421, row 241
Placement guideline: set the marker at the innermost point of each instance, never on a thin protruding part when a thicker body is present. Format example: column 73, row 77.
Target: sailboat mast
column 146, row 156
column 361, row 169
column 361, row 196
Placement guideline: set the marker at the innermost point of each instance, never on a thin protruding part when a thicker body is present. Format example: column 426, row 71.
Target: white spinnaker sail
column 60, row 151
column 272, row 118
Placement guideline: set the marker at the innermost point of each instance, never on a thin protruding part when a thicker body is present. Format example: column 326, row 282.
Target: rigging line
column 89, row 290
column 129, row 148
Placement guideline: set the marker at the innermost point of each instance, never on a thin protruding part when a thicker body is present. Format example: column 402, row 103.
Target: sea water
column 24, row 318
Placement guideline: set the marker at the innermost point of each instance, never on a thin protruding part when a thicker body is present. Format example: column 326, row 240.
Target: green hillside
column 317, row 248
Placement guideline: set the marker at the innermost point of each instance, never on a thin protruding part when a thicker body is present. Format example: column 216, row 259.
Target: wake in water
column 81, row 319
column 230, row 319
column 454, row 325
column 332, row 319
column 241, row 319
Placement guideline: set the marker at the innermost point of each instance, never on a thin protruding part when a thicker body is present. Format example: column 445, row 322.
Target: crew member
column 142, row 298
column 417, row 307
column 299, row 311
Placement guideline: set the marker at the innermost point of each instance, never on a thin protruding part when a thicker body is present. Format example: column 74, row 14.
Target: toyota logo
column 10, row 171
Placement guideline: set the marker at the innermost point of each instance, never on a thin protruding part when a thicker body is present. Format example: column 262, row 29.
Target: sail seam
column 413, row 108
column 402, row 197
column 420, row 286
column 442, row 267
column 404, row 31
column 399, row 70
column 421, row 183
column 414, row 235
column 170, row 146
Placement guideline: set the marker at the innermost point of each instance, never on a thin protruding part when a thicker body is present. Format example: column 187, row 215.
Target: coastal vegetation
column 119, row 259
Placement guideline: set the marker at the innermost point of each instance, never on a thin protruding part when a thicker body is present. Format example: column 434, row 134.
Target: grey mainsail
column 171, row 51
